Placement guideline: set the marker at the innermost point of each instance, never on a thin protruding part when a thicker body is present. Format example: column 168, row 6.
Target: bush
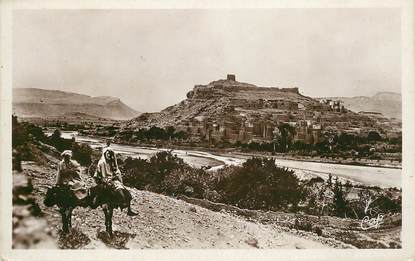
column 161, row 165
column 188, row 181
column 60, row 143
column 82, row 153
column 151, row 173
column 27, row 144
column 340, row 201
column 135, row 172
column 25, row 137
column 257, row 184
column 20, row 135
column 260, row 184
column 386, row 204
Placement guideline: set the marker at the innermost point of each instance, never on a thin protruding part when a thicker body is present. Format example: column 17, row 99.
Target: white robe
column 105, row 173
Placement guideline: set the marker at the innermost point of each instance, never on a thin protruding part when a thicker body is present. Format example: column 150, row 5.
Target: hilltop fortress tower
column 230, row 77
column 222, row 87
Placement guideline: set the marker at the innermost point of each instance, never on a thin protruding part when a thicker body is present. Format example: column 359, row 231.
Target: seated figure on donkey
column 110, row 189
column 69, row 191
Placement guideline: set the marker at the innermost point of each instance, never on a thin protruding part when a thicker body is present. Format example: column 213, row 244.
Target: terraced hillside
column 235, row 111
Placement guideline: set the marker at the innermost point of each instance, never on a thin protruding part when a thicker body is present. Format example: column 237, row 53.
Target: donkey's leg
column 70, row 209
column 108, row 211
column 65, row 225
column 105, row 209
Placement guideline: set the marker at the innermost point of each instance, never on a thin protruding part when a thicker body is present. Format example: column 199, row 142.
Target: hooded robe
column 108, row 172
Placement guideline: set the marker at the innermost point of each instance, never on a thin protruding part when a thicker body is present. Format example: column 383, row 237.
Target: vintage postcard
column 269, row 130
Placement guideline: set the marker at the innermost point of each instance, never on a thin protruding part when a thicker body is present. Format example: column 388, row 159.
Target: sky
column 150, row 59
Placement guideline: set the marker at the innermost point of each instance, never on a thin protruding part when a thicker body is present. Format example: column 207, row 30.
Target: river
column 374, row 176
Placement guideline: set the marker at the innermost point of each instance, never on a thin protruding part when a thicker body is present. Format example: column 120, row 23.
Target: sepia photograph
column 206, row 128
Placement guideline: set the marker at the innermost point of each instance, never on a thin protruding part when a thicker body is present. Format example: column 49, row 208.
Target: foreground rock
column 30, row 229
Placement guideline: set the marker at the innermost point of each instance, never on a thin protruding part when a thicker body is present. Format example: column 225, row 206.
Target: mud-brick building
column 262, row 129
column 307, row 132
column 234, row 129
column 316, row 131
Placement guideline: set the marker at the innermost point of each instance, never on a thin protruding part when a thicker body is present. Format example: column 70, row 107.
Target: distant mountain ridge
column 387, row 103
column 35, row 102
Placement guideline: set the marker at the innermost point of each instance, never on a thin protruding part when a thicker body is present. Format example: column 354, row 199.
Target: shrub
column 386, row 204
column 82, row 153
column 27, row 144
column 162, row 164
column 24, row 140
column 135, row 172
column 151, row 173
column 339, row 199
column 188, row 181
column 20, row 136
column 260, row 184
column 23, row 143
column 58, row 142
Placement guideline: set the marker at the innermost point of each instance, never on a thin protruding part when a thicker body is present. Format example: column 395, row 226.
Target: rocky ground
column 163, row 222
column 334, row 231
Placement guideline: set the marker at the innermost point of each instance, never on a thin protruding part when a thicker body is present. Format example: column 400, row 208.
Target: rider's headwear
column 66, row 152
column 104, row 150
column 107, row 149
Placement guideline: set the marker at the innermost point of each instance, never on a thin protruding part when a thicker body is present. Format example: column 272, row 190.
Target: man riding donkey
column 110, row 187
column 110, row 192
column 69, row 191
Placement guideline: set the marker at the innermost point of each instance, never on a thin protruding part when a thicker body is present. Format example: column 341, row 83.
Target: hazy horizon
column 150, row 59
column 142, row 111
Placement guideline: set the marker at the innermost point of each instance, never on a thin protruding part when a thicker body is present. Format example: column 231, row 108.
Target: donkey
column 65, row 199
column 108, row 199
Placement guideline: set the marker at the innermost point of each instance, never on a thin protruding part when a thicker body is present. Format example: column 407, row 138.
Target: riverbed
column 373, row 176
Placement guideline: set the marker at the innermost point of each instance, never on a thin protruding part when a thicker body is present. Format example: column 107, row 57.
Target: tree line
column 28, row 141
column 153, row 133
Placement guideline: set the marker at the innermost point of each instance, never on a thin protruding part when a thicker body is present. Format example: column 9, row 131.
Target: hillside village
column 231, row 111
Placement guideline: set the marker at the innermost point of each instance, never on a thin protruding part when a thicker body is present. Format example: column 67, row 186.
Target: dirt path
column 163, row 222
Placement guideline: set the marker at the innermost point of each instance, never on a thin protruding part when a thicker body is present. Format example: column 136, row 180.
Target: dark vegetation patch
column 259, row 184
column 29, row 142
